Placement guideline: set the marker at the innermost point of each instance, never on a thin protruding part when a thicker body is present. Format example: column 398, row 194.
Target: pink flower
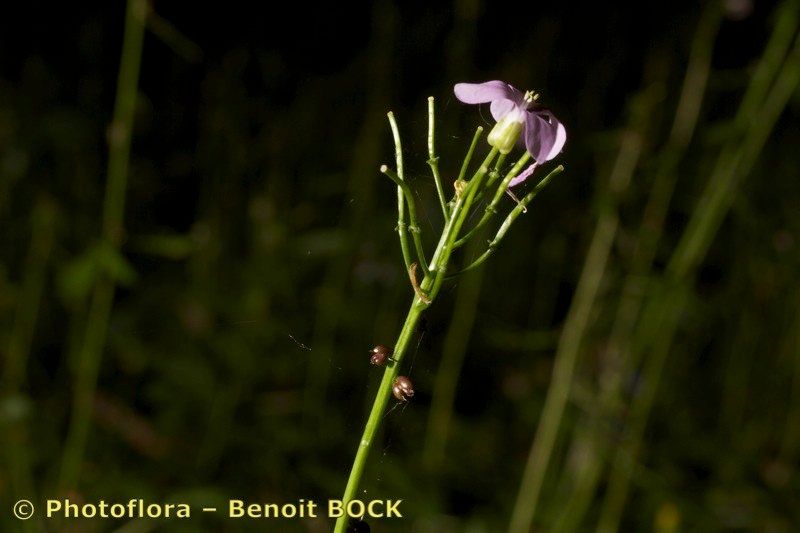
column 515, row 113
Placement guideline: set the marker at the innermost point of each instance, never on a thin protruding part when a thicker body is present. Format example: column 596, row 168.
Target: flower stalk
column 433, row 159
column 455, row 214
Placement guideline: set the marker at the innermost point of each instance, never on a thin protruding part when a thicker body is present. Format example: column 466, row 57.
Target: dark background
column 259, row 262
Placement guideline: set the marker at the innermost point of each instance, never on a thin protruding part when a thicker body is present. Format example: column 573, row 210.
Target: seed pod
column 402, row 388
column 380, row 354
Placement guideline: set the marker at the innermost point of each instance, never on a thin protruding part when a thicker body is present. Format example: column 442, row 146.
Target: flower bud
column 506, row 132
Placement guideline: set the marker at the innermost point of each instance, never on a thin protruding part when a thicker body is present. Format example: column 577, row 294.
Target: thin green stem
column 90, row 354
column 583, row 480
column 433, row 160
column 520, row 208
column 496, row 171
column 465, row 164
column 734, row 164
column 402, row 229
column 173, row 37
column 663, row 315
column 433, row 279
column 379, row 406
column 460, row 213
column 491, row 209
column 413, row 227
column 470, row 152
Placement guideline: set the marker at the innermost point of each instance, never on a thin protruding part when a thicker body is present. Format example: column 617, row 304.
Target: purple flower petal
column 544, row 140
column 522, row 176
column 533, row 139
column 560, row 135
column 501, row 108
column 481, row 93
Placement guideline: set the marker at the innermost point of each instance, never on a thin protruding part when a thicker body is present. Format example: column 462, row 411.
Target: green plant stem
column 734, row 163
column 90, row 354
column 491, row 209
column 173, row 37
column 520, row 208
column 379, row 405
column 413, row 227
column 402, row 230
column 460, row 213
column 468, row 158
column 563, row 369
column 574, row 333
column 433, row 160
column 14, row 403
column 433, row 280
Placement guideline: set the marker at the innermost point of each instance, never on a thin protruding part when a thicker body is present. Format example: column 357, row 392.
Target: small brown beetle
column 402, row 388
column 380, row 354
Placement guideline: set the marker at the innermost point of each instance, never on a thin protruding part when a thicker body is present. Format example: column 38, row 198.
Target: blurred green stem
column 569, row 346
column 683, row 127
column 90, row 354
column 14, row 404
column 735, row 162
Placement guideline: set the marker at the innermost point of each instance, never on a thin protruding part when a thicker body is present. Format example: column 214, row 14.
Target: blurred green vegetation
column 628, row 360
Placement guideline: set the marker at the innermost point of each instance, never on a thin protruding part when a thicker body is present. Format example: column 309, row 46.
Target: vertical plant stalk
column 734, row 163
column 402, row 229
column 90, row 353
column 683, row 127
column 430, row 284
column 433, row 159
column 15, row 404
column 570, row 342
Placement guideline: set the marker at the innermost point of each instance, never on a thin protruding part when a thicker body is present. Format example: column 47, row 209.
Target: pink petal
column 544, row 140
column 481, row 93
column 522, row 176
column 560, row 136
column 533, row 137
column 500, row 108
